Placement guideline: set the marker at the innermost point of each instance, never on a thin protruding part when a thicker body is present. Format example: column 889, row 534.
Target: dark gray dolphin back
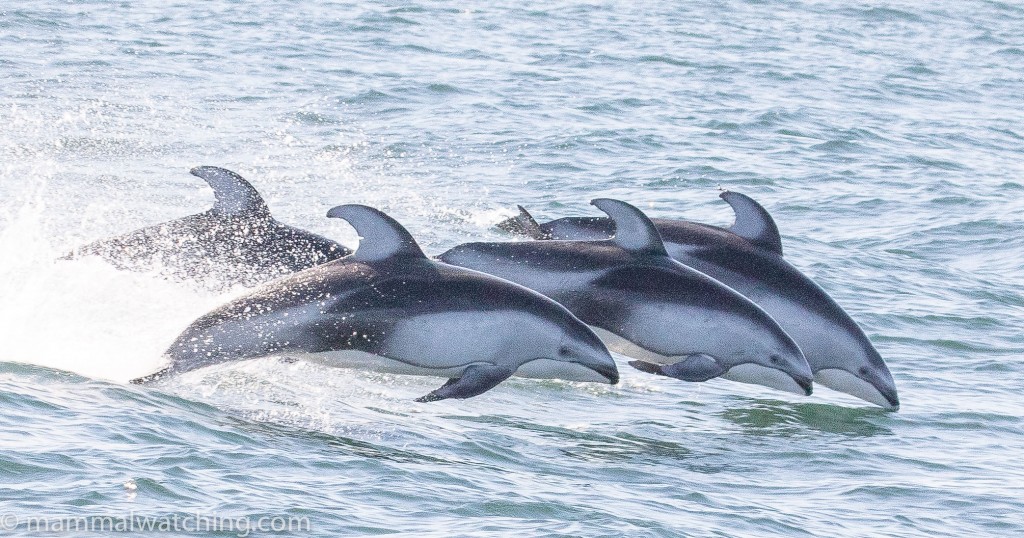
column 523, row 224
column 569, row 228
column 752, row 223
column 237, row 242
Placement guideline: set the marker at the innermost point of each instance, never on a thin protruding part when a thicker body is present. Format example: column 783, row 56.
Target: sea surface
column 886, row 138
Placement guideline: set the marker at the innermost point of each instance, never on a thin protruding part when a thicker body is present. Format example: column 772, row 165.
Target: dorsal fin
column 523, row 224
column 380, row 236
column 753, row 222
column 633, row 230
column 235, row 196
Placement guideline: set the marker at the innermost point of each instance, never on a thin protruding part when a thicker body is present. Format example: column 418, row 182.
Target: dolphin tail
column 523, row 224
column 151, row 377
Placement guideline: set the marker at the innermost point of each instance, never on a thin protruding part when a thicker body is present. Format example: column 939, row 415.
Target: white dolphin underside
column 762, row 375
column 444, row 344
column 743, row 373
column 361, row 360
column 844, row 381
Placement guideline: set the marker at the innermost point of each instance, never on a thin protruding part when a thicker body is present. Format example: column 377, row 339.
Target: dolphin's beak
column 806, row 383
column 610, row 372
column 881, row 380
column 797, row 368
column 870, row 387
column 889, row 393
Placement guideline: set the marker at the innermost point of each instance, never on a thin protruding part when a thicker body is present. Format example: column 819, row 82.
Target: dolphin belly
column 843, row 381
column 549, row 369
column 362, row 360
column 756, row 374
column 438, row 340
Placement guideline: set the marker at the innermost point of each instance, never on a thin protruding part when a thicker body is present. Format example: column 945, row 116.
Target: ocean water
column 885, row 138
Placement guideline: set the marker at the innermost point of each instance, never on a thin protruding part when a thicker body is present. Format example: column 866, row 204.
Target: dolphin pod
column 237, row 242
column 682, row 299
column 388, row 307
column 675, row 321
column 748, row 258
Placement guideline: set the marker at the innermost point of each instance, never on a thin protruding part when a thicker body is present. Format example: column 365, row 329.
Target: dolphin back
column 237, row 242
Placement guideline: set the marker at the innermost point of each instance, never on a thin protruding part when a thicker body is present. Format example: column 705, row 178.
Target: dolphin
column 389, row 308
column 674, row 320
column 235, row 242
column 748, row 258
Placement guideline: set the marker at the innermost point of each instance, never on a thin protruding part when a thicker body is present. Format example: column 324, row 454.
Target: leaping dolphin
column 676, row 321
column 389, row 308
column 748, row 258
column 235, row 242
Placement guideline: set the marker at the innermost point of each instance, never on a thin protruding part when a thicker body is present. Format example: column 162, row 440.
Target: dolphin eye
column 863, row 371
column 564, row 351
column 775, row 359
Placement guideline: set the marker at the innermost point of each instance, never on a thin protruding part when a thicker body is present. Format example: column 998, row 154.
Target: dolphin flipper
column 523, row 224
column 234, row 195
column 697, row 367
column 634, row 231
column 643, row 366
column 753, row 222
column 476, row 380
column 381, row 237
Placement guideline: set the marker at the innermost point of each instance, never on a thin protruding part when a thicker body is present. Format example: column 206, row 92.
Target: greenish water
column 884, row 138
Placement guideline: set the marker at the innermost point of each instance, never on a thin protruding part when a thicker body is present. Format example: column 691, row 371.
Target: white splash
column 84, row 316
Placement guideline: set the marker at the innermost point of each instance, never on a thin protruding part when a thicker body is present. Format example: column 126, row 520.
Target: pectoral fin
column 696, row 367
column 476, row 380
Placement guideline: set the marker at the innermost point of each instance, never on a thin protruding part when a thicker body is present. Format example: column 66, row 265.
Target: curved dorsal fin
column 523, row 224
column 633, row 230
column 380, row 236
column 753, row 222
column 235, row 196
